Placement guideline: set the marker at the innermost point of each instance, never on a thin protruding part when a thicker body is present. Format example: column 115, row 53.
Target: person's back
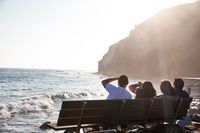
column 178, row 85
column 167, row 90
column 115, row 92
column 146, row 90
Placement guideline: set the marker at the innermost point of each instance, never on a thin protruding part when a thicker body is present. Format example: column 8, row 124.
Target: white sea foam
column 41, row 103
column 78, row 95
column 11, row 109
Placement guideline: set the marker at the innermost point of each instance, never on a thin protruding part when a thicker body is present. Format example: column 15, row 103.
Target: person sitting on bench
column 115, row 92
column 178, row 85
column 167, row 90
column 143, row 90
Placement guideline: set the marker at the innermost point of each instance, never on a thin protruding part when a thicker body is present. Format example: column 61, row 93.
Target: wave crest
column 11, row 109
column 78, row 95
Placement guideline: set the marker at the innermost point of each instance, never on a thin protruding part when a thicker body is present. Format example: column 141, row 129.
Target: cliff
column 167, row 45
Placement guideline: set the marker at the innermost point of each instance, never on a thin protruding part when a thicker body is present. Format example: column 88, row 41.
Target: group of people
column 143, row 90
column 146, row 90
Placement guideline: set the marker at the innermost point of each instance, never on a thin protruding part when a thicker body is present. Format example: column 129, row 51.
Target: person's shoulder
column 185, row 93
column 128, row 94
column 110, row 86
column 138, row 90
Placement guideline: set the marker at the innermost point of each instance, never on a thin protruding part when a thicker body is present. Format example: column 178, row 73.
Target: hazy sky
column 68, row 34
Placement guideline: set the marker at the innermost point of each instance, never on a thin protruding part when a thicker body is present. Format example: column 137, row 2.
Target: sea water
column 28, row 98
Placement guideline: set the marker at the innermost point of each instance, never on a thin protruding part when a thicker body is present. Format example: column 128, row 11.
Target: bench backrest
column 163, row 109
column 85, row 112
column 121, row 111
column 136, row 110
column 102, row 111
column 168, row 109
column 184, row 105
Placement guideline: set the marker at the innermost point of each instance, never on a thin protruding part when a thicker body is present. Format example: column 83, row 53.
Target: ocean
column 30, row 97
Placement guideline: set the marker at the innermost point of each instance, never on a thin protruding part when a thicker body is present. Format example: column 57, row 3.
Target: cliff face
column 166, row 45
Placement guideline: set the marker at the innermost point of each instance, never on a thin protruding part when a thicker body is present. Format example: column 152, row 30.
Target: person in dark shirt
column 145, row 90
column 178, row 85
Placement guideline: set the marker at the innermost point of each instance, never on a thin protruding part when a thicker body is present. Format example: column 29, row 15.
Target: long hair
column 147, row 91
column 166, row 88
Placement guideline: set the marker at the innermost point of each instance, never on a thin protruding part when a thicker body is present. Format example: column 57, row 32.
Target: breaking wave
column 78, row 96
column 44, row 103
column 31, row 105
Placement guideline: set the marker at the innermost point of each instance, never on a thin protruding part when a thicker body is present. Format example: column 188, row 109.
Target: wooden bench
column 75, row 115
column 169, row 110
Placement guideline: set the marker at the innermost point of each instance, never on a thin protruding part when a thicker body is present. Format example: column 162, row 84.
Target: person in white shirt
column 117, row 92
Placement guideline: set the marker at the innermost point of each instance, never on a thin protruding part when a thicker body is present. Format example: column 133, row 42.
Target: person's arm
column 107, row 81
column 133, row 87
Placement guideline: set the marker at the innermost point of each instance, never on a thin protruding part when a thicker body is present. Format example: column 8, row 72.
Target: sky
column 68, row 34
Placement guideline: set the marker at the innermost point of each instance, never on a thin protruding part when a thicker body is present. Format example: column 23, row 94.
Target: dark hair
column 123, row 81
column 148, row 89
column 166, row 88
column 178, row 83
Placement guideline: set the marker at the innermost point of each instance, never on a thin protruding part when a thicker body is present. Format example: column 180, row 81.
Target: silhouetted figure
column 178, row 85
column 168, row 94
column 145, row 90
column 115, row 92
column 167, row 89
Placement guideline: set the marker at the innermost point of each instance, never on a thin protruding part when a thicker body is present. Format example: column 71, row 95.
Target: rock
column 167, row 45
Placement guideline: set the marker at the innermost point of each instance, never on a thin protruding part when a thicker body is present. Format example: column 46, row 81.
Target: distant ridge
column 166, row 45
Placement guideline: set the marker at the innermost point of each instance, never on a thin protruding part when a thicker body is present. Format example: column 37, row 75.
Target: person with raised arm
column 117, row 92
column 143, row 90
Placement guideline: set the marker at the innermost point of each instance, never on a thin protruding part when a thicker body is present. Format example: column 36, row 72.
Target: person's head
column 147, row 84
column 123, row 81
column 166, row 88
column 178, row 83
column 149, row 89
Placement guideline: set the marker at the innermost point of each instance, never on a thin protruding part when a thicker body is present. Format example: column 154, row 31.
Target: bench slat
column 90, row 103
column 88, row 112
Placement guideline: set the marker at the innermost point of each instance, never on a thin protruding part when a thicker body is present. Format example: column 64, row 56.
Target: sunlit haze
column 68, row 34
